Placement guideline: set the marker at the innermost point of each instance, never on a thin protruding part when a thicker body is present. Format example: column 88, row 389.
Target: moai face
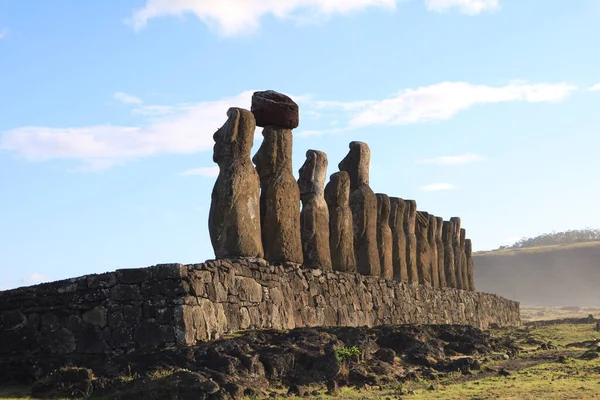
column 397, row 210
column 440, row 228
column 312, row 174
column 383, row 208
column 410, row 214
column 234, row 139
column 463, row 235
column 448, row 232
column 275, row 153
column 337, row 191
column 432, row 228
column 356, row 163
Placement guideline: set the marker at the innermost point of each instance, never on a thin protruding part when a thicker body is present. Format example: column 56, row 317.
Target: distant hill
column 554, row 275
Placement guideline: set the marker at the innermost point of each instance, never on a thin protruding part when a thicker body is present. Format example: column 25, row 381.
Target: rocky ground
column 407, row 362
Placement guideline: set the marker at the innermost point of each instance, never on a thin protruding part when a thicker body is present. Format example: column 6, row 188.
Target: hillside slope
column 547, row 276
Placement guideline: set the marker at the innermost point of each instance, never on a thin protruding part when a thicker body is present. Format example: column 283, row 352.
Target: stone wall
column 176, row 304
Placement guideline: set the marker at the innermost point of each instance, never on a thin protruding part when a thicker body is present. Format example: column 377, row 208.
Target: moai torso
column 447, row 235
column 470, row 266
column 457, row 252
column 410, row 216
column 423, row 257
column 463, row 260
column 314, row 218
column 234, row 217
column 440, row 251
column 384, row 236
column 397, row 209
column 341, row 230
column 363, row 204
column 280, row 196
column 433, row 257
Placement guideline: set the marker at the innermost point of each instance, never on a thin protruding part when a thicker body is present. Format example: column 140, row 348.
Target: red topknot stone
column 271, row 108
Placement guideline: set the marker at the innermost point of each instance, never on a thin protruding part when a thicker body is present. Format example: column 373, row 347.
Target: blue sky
column 483, row 109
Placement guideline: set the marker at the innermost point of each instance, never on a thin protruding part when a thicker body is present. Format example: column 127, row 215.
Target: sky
column 483, row 109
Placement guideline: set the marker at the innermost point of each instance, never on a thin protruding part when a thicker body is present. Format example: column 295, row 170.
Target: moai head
column 397, row 209
column 463, row 235
column 233, row 141
column 432, row 228
column 410, row 214
column 468, row 247
column 456, row 225
column 337, row 191
column 312, row 174
column 356, row 163
column 383, row 208
column 448, row 232
column 274, row 154
column 422, row 220
column 440, row 227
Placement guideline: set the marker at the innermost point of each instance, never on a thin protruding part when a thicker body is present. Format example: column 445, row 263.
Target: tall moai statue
column 384, row 236
column 423, row 256
column 457, row 252
column 450, row 271
column 341, row 230
column 397, row 209
column 440, row 251
column 280, row 196
column 470, row 267
column 314, row 217
column 410, row 217
column 463, row 259
column 363, row 204
column 433, row 257
column 234, row 217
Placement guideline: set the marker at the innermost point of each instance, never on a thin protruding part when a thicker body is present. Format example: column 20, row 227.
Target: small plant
column 346, row 352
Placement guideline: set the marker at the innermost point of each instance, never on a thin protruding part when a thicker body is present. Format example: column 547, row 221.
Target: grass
column 540, row 249
column 14, row 393
column 530, row 313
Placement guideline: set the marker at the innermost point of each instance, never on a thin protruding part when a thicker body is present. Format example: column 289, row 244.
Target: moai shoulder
column 341, row 230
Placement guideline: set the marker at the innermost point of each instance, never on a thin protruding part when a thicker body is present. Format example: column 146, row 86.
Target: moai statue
column 363, row 204
column 410, row 216
column 457, row 252
column 447, row 235
column 280, row 196
column 470, row 267
column 423, row 259
column 314, row 217
column 463, row 260
column 234, row 218
column 384, row 236
column 397, row 208
column 341, row 230
column 440, row 251
column 433, row 257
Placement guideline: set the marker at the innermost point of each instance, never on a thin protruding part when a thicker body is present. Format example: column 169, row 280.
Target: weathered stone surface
column 363, row 204
column 397, row 210
column 410, row 217
column 470, row 267
column 433, row 257
column 341, row 229
column 96, row 316
column 271, row 108
column 457, row 252
column 463, row 260
column 440, row 251
column 314, row 217
column 234, row 218
column 279, row 198
column 423, row 256
column 384, row 236
column 447, row 234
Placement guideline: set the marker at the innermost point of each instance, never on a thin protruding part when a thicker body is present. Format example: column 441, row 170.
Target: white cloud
column 444, row 100
column 34, row 279
column 3, row 33
column 127, row 98
column 234, row 17
column 595, row 88
column 209, row 172
column 188, row 131
column 470, row 7
column 453, row 160
column 434, row 187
